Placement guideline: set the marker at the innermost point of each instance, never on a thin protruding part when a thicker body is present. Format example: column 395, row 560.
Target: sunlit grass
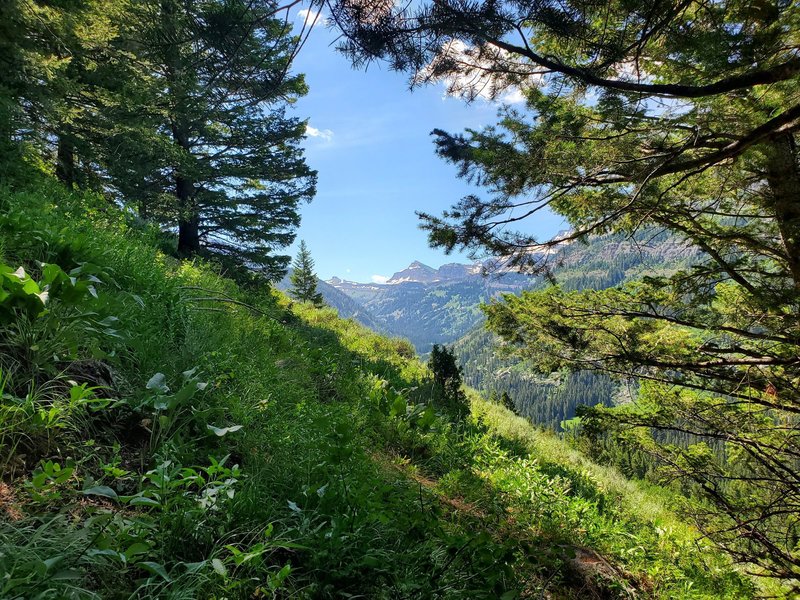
column 328, row 476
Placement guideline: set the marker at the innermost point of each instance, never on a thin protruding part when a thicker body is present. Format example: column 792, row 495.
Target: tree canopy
column 677, row 116
column 177, row 109
column 224, row 164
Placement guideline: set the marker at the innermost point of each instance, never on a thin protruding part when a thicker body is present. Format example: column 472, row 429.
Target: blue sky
column 370, row 143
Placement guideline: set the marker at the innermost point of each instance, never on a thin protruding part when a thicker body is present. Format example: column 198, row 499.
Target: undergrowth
column 167, row 434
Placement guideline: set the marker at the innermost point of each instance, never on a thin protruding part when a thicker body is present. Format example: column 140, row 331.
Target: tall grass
column 250, row 447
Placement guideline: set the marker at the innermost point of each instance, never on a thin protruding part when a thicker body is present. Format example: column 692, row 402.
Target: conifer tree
column 180, row 107
column 207, row 147
column 447, row 380
column 57, row 60
column 303, row 278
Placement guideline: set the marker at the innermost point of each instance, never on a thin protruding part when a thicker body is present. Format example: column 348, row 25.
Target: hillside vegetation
column 164, row 433
column 599, row 263
column 677, row 117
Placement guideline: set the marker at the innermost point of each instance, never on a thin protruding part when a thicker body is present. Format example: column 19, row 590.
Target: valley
column 443, row 306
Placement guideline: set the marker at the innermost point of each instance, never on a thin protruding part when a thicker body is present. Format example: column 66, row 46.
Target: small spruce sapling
column 303, row 278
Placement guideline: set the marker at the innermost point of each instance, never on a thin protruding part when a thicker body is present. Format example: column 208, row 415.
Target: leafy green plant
column 32, row 424
column 46, row 483
column 19, row 294
column 170, row 412
column 45, row 324
column 379, row 493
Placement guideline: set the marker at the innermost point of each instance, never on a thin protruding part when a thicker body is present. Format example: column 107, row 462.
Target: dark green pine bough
column 676, row 116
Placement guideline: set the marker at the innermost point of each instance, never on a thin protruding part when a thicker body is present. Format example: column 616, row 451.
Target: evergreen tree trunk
column 6, row 124
column 783, row 176
column 189, row 221
column 65, row 161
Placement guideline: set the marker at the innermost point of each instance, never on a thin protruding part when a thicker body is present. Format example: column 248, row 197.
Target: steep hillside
column 166, row 434
column 545, row 400
column 426, row 314
column 344, row 304
column 605, row 261
column 439, row 306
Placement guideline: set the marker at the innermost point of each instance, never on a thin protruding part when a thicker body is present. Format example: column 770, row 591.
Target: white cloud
column 312, row 18
column 631, row 70
column 325, row 134
column 513, row 96
column 379, row 279
column 472, row 72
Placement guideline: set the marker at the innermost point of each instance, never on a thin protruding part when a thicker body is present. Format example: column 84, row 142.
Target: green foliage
column 303, row 278
column 60, row 60
column 680, row 117
column 222, row 161
column 447, row 380
column 179, row 109
column 312, row 464
column 550, row 398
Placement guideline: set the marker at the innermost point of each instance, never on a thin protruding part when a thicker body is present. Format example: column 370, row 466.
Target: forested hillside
column 172, row 426
column 673, row 116
column 347, row 307
column 430, row 306
column 598, row 263
column 546, row 400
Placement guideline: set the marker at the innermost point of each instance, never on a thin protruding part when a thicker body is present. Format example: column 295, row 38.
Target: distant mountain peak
column 338, row 281
column 418, row 266
column 416, row 272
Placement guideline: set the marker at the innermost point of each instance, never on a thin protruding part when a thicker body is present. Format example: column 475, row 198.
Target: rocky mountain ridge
column 431, row 306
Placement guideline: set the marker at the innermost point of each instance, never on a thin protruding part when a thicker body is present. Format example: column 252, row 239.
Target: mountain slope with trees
column 675, row 115
column 597, row 263
column 182, row 436
column 347, row 307
column 431, row 306
column 168, row 432
column 439, row 306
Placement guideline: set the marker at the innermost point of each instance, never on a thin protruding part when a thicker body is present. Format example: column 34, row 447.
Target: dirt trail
column 588, row 574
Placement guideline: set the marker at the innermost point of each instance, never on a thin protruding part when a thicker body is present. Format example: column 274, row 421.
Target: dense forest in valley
column 173, row 426
column 597, row 263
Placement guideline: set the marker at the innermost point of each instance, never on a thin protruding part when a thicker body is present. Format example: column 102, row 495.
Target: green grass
column 298, row 459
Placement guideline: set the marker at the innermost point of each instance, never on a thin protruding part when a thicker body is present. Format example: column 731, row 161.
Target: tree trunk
column 65, row 162
column 7, row 126
column 188, row 215
column 189, row 220
column 783, row 176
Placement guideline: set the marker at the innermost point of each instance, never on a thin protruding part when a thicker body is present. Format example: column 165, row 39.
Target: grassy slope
column 345, row 485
